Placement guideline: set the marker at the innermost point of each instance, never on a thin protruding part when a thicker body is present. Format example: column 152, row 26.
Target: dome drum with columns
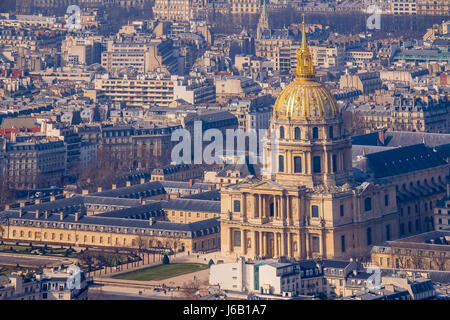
column 313, row 148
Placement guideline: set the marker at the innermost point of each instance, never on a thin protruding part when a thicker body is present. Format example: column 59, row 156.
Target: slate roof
column 137, row 212
column 337, row 264
column 213, row 195
column 191, row 205
column 402, row 138
column 137, row 188
column 121, row 222
column 403, row 160
column 243, row 169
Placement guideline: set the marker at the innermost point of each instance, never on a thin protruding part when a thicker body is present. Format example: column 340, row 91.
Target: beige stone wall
column 107, row 239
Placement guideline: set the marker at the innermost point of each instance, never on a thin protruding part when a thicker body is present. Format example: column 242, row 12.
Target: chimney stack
column 85, row 191
column 46, row 214
column 37, row 201
column 191, row 182
column 128, row 183
column 114, row 187
column 20, row 212
column 7, row 207
column 61, row 215
column 77, row 216
column 142, row 180
column 22, row 204
column 37, row 214
column 151, row 221
column 52, row 198
column 210, row 188
column 99, row 189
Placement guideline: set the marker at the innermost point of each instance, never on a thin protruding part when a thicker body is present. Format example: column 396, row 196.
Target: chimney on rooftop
column 448, row 189
column 114, row 187
column 20, row 212
column 99, row 189
column 191, row 182
column 22, row 204
column 37, row 214
column 151, row 221
column 7, row 207
column 46, row 214
column 52, row 198
column 84, row 191
column 128, row 183
column 142, row 180
column 77, row 216
column 61, row 215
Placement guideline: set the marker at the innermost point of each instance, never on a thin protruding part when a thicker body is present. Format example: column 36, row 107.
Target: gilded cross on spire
column 305, row 69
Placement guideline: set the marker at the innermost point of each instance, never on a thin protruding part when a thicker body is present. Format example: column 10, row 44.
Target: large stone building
column 420, row 7
column 313, row 206
column 142, row 54
column 132, row 217
column 179, row 10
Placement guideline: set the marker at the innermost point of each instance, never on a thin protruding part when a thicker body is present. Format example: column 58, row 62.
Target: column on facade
column 289, row 245
column 275, row 244
column 244, row 206
column 277, row 207
column 308, row 249
column 283, row 207
column 255, row 206
column 322, row 243
column 283, row 244
column 261, row 243
column 264, row 244
column 261, row 206
column 308, row 163
column 230, row 240
column 254, row 244
column 244, row 241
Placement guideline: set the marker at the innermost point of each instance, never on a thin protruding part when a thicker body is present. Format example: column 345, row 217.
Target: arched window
column 297, row 133
column 330, row 132
column 315, row 133
column 281, row 132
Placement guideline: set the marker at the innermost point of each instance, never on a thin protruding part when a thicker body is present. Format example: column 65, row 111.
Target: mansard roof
column 403, row 160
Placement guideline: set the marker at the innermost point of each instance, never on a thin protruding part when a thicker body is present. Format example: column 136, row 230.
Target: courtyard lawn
column 162, row 271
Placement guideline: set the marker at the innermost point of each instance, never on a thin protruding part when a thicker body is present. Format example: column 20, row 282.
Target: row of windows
column 315, row 133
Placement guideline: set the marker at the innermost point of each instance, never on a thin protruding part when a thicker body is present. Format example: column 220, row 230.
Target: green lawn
column 162, row 271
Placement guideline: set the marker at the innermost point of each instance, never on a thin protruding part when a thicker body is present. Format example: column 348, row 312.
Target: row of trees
column 416, row 261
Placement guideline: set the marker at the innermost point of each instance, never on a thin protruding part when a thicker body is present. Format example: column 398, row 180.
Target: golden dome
column 305, row 97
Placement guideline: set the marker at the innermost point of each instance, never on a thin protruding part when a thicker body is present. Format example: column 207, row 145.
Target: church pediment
column 268, row 185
